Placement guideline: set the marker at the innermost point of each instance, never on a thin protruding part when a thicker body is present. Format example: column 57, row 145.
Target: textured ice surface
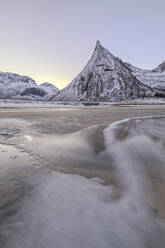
column 70, row 211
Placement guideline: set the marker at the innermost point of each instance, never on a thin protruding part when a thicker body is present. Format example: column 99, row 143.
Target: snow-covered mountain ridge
column 154, row 78
column 106, row 78
column 15, row 86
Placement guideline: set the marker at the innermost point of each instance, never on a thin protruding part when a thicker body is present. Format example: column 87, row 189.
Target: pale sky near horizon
column 52, row 40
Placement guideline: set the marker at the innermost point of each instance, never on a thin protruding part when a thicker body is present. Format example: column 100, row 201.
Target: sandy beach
column 70, row 179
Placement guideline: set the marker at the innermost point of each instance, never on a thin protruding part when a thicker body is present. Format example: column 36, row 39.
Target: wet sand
column 52, row 156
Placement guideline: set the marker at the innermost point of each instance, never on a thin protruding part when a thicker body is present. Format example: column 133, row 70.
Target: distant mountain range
column 104, row 78
column 14, row 86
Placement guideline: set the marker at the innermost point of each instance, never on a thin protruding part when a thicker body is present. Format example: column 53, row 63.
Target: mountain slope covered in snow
column 50, row 89
column 18, row 87
column 104, row 78
column 153, row 78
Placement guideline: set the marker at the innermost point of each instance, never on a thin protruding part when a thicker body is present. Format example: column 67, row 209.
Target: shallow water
column 85, row 189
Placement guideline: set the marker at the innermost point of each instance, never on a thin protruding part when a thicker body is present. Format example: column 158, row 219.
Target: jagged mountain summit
column 105, row 78
column 18, row 87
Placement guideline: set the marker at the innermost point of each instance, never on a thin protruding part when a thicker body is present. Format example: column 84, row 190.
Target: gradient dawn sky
column 51, row 40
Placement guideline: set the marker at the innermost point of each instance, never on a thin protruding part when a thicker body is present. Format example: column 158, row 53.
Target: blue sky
column 52, row 40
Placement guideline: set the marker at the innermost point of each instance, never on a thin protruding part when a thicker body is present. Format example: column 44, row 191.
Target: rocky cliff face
column 104, row 78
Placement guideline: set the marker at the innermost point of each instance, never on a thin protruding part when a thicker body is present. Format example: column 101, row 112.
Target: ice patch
column 29, row 138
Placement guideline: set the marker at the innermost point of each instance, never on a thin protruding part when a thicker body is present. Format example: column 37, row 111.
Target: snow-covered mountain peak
column 49, row 88
column 104, row 78
column 8, row 77
column 101, row 55
column 15, row 86
column 98, row 44
column 48, row 85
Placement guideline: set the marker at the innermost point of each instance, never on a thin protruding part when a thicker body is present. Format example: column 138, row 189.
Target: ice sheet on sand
column 71, row 211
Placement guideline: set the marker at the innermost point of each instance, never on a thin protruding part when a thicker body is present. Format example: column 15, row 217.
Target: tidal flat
column 82, row 177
